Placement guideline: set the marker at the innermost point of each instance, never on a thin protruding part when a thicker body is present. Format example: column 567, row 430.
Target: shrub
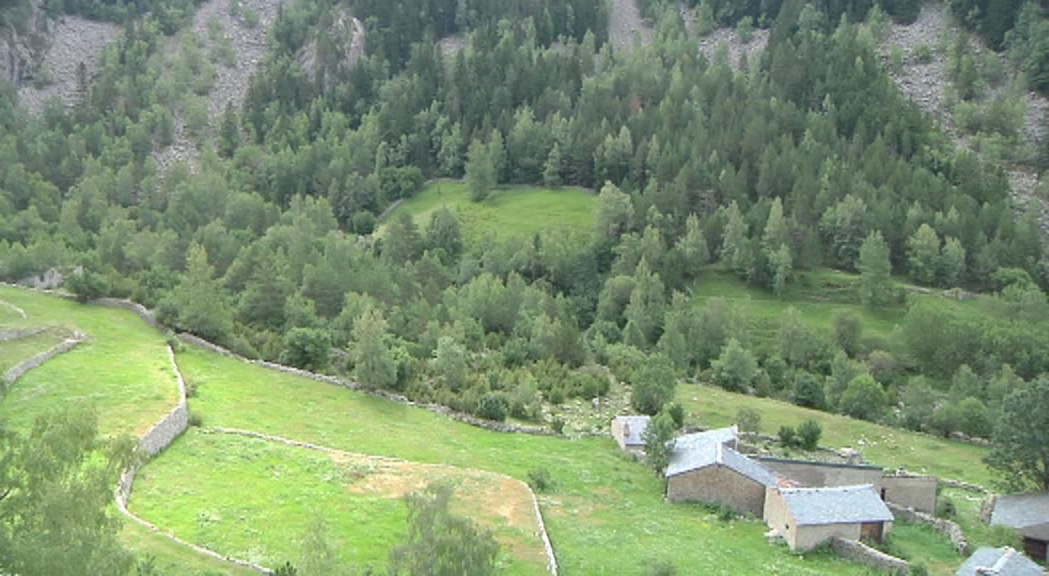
column 919, row 569
column 677, row 414
column 923, row 54
column 286, row 569
column 787, row 436
column 945, row 508
column 809, row 434
column 492, row 407
column 1004, row 536
column 540, row 481
column 251, row 17
column 558, row 425
column 195, row 420
column 749, row 420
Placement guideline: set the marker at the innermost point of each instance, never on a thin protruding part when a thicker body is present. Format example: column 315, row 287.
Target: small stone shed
column 628, row 431
column 807, row 517
column 704, row 467
column 1029, row 515
column 999, row 562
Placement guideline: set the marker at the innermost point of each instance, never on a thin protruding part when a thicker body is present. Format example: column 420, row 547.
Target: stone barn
column 628, row 431
column 1029, row 515
column 807, row 517
column 918, row 492
column 999, row 562
column 705, row 469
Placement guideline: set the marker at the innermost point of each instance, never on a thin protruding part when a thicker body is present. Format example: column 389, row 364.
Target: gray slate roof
column 636, row 427
column 696, row 451
column 839, row 505
column 999, row 562
column 1028, row 513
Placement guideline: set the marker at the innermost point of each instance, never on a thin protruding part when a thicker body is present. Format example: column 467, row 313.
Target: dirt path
column 73, row 40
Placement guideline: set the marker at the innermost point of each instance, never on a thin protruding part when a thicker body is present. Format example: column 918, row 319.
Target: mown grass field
column 122, row 371
column 606, row 515
column 513, row 212
column 255, row 499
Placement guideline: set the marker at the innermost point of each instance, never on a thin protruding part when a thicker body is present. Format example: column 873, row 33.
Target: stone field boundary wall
column 551, row 560
column 21, row 368
column 860, row 552
column 17, row 310
column 19, row 333
column 159, row 437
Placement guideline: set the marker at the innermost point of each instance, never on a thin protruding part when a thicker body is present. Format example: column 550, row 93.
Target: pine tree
column 875, row 271
column 552, row 168
column 480, row 171
column 229, row 132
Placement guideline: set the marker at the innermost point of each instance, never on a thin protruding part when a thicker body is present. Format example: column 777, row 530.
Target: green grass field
column 882, row 445
column 606, row 515
column 122, row 371
column 231, row 493
column 517, row 212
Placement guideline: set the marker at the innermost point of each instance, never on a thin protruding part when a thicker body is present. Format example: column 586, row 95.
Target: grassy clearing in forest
column 254, row 499
column 122, row 371
column 606, row 514
column 515, row 212
column 881, row 445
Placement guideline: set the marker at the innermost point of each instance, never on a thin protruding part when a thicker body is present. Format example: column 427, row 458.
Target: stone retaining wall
column 159, row 437
column 436, row 408
column 19, row 333
column 25, row 366
column 860, row 552
column 946, row 527
column 17, row 310
column 551, row 560
column 144, row 313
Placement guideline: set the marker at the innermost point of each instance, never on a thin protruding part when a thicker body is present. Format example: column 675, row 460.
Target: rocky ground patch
column 73, row 40
column 626, row 27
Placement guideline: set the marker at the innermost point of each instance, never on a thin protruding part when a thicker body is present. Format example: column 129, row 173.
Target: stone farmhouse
column 807, row 517
column 706, row 468
column 628, row 432
column 1029, row 515
column 999, row 562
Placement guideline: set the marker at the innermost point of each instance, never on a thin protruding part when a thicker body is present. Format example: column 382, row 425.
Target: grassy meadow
column 513, row 212
column 195, row 490
column 14, row 351
column 122, row 371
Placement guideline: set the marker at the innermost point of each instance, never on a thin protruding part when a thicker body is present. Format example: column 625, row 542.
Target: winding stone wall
column 946, row 527
column 860, row 552
column 25, row 366
column 19, row 333
column 144, row 313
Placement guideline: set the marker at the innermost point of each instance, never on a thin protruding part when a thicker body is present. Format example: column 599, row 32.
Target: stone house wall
column 918, row 492
column 720, row 485
column 822, row 474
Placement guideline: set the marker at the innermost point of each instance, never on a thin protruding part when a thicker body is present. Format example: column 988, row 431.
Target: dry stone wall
column 36, row 361
column 860, row 552
column 19, row 333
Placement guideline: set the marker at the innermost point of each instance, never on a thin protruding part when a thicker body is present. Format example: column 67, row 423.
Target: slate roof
column 697, row 451
column 999, row 562
column 1028, row 513
column 636, row 425
column 839, row 505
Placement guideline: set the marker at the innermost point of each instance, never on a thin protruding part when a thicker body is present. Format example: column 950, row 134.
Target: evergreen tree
column 552, row 168
column 736, row 368
column 952, row 262
column 734, row 241
column 875, row 272
column 371, row 352
column 480, row 171
column 923, row 255
column 693, row 247
column 229, row 132
column 200, row 301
